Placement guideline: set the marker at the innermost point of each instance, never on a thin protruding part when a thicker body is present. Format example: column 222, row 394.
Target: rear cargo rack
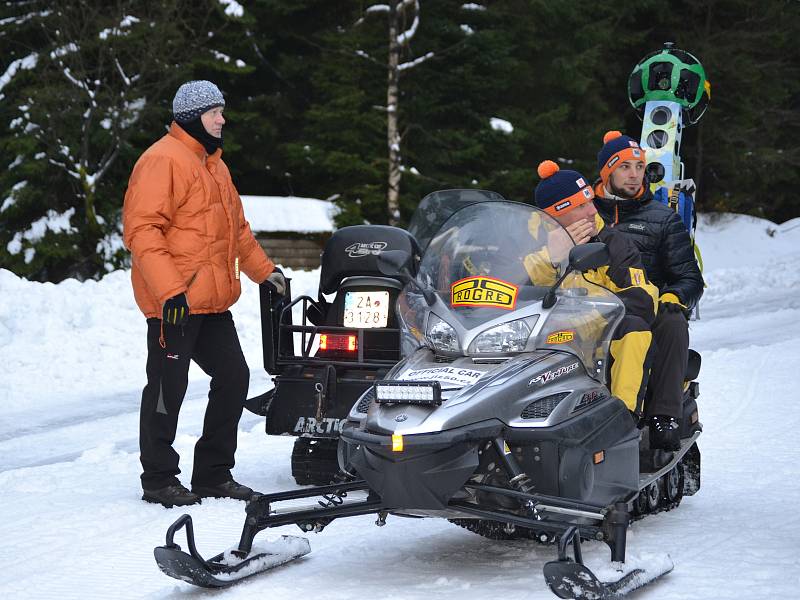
column 287, row 356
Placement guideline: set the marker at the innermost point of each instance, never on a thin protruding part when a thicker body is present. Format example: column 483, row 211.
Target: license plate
column 366, row 309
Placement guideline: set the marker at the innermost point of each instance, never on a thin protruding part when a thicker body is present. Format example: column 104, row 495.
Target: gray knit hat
column 194, row 98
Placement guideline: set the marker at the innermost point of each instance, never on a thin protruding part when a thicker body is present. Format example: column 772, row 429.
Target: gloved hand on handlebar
column 276, row 282
column 670, row 303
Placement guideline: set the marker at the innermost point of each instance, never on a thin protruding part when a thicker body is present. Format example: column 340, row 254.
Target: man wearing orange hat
column 566, row 196
column 624, row 201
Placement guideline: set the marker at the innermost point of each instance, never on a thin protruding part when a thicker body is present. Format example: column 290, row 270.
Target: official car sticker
column 444, row 375
column 560, row 337
column 483, row 291
column 549, row 376
column 365, row 249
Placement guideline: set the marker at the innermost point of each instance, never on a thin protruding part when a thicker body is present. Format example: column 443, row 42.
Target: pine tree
column 92, row 71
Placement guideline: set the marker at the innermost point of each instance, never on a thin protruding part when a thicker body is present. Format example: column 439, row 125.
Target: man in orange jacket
column 189, row 241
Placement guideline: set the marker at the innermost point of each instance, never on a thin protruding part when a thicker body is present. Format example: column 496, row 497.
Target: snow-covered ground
column 71, row 370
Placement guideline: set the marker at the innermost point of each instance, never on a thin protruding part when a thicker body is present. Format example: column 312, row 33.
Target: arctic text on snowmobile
column 498, row 417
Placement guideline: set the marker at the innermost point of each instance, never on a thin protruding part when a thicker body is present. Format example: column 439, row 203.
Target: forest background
column 484, row 92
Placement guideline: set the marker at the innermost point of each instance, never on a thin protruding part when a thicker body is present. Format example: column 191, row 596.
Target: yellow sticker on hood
column 560, row 337
column 483, row 291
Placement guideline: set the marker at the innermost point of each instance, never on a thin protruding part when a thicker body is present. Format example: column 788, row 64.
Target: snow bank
column 731, row 240
column 65, row 345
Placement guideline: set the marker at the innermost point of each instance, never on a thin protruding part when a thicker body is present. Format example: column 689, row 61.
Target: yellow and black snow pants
column 625, row 277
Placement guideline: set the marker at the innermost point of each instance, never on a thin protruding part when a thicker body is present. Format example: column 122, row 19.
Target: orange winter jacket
column 184, row 225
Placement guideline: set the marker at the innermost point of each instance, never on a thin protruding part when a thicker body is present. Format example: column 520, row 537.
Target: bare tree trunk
column 392, row 131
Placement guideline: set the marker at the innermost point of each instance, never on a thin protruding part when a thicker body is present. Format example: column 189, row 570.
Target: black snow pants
column 211, row 341
column 671, row 354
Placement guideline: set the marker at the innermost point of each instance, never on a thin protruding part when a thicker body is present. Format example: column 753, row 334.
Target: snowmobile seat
column 352, row 252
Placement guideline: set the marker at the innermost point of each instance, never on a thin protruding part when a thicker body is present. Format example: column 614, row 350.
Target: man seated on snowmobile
column 565, row 196
column 624, row 201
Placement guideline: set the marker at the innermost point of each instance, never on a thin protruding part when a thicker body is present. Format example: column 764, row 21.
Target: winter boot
column 228, row 489
column 172, row 495
column 665, row 433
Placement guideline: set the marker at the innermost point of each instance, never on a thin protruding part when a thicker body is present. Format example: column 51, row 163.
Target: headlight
column 508, row 337
column 442, row 335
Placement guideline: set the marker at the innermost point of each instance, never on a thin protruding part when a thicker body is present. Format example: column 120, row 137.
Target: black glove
column 671, row 307
column 276, row 282
column 670, row 303
column 176, row 310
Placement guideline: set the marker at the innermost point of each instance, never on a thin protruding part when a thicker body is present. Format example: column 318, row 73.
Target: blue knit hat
column 617, row 148
column 560, row 191
column 194, row 98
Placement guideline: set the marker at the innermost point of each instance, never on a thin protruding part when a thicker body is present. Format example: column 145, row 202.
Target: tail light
column 333, row 342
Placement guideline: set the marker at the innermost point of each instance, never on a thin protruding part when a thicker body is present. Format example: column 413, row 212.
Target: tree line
column 371, row 104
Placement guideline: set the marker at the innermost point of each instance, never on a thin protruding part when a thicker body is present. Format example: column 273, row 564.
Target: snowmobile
column 345, row 345
column 315, row 389
column 498, row 417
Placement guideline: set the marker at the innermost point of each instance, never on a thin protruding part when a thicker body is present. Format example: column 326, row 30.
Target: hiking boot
column 228, row 489
column 665, row 433
column 172, row 495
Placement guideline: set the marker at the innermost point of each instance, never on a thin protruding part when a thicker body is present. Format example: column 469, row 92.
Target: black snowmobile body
column 498, row 417
column 345, row 345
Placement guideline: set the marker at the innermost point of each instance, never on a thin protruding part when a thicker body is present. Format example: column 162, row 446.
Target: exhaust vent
column 366, row 399
column 541, row 408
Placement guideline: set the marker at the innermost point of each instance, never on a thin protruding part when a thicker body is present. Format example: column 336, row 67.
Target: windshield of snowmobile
column 485, row 273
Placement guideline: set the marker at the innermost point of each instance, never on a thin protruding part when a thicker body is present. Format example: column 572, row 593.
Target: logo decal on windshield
column 483, row 291
column 560, row 337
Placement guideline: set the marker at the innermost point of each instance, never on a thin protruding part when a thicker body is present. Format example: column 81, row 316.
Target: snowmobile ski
column 568, row 578
column 226, row 568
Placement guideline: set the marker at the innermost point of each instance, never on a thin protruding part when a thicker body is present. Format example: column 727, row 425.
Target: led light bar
column 408, row 392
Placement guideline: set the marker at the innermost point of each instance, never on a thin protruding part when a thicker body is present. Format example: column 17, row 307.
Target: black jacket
column 662, row 240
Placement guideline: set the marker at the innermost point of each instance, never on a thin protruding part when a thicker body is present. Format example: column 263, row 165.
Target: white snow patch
column 221, row 56
column 15, row 245
column 119, row 30
column 473, row 6
column 232, row 8
column 28, row 62
column 499, row 124
column 289, row 213
column 406, row 36
column 467, row 29
column 415, row 62
column 52, row 221
column 23, row 18
column 64, row 50
column 110, row 244
column 11, row 200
